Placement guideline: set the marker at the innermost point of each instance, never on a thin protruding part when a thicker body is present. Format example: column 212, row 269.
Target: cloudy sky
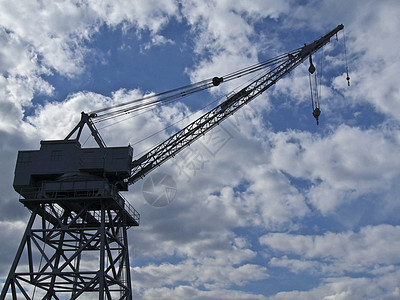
column 268, row 205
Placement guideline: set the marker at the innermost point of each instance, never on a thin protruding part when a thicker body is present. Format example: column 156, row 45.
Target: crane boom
column 177, row 142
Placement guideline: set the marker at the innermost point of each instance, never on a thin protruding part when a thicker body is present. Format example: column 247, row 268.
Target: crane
column 74, row 196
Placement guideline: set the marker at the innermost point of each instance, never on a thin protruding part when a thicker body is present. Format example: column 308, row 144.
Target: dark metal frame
column 60, row 234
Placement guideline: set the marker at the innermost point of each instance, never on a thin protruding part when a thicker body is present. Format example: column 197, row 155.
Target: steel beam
column 71, row 257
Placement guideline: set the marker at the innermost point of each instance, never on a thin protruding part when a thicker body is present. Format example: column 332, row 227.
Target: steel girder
column 69, row 254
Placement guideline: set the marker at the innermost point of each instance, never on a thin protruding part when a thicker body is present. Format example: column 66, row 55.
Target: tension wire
column 345, row 55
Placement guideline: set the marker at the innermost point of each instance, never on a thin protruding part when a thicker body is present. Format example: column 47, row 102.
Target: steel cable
column 173, row 95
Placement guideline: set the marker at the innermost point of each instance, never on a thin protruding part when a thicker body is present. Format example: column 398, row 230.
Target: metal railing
column 110, row 191
column 131, row 210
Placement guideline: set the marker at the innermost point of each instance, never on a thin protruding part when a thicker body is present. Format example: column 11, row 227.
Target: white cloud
column 54, row 32
column 347, row 288
column 39, row 38
column 335, row 253
column 211, row 273
column 380, row 61
column 151, row 15
column 342, row 166
column 189, row 292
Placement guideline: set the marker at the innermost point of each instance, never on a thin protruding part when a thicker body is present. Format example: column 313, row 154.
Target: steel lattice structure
column 65, row 231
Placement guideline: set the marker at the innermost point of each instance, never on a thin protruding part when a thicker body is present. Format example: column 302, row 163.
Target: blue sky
column 268, row 205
